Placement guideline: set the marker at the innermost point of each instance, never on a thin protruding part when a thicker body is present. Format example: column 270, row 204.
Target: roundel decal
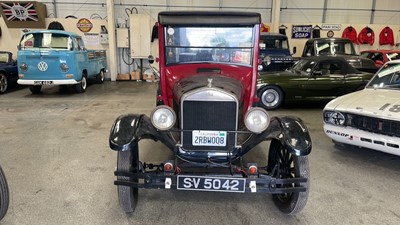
column 84, row 25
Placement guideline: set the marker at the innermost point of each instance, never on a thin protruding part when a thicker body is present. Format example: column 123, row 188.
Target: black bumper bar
column 264, row 183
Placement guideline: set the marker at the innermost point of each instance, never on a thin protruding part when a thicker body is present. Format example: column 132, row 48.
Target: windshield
column 217, row 44
column 387, row 77
column 303, row 66
column 393, row 56
column 268, row 42
column 46, row 40
column 332, row 48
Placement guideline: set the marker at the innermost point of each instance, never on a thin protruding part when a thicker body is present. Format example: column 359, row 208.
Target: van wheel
column 81, row 87
column 35, row 89
column 100, row 77
column 3, row 83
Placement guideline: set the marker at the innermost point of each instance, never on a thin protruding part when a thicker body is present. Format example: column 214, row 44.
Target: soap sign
column 301, row 31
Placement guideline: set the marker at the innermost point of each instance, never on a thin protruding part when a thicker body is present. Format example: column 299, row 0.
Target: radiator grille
column 208, row 115
column 374, row 125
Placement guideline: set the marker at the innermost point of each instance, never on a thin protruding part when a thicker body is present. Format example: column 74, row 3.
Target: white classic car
column 368, row 118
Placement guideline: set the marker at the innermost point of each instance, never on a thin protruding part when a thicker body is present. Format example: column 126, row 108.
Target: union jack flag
column 20, row 11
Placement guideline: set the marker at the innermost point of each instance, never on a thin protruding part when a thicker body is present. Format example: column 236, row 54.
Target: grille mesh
column 208, row 115
column 375, row 125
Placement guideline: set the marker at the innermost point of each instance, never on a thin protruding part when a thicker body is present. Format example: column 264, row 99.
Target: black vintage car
column 318, row 78
column 341, row 47
column 206, row 116
column 8, row 71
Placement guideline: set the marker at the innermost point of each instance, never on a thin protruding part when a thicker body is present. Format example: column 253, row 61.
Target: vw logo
column 42, row 66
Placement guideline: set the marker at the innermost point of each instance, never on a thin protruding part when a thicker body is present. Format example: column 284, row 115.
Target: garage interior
column 59, row 166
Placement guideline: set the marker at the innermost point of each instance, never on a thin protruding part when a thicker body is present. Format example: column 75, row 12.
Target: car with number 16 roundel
column 369, row 118
column 207, row 118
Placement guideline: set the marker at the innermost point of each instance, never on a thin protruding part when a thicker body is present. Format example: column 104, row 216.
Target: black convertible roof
column 219, row 18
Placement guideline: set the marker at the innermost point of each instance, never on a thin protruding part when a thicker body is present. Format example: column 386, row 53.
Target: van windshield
column 35, row 41
column 209, row 44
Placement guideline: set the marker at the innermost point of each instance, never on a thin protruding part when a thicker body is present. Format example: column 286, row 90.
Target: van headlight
column 163, row 117
column 64, row 67
column 23, row 67
column 256, row 120
column 335, row 118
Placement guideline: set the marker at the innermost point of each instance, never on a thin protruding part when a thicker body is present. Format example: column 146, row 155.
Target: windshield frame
column 387, row 77
column 210, row 44
column 46, row 41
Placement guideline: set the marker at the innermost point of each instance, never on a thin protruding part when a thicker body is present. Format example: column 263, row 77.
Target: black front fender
column 128, row 130
column 290, row 131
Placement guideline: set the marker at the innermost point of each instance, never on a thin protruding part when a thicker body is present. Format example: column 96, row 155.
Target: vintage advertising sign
column 301, row 31
column 84, row 25
column 335, row 27
column 264, row 28
column 23, row 14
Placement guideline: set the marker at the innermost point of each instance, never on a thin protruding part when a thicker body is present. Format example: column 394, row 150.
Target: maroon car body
column 207, row 117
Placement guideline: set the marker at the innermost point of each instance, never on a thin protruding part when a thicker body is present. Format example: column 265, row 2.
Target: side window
column 335, row 68
column 324, row 68
column 80, row 44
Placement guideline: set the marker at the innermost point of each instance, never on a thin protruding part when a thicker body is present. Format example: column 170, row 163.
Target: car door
column 326, row 81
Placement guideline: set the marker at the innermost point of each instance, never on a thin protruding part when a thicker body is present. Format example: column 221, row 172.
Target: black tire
column 100, row 77
column 4, row 194
column 128, row 161
column 290, row 166
column 3, row 83
column 81, row 87
column 35, row 89
column 271, row 97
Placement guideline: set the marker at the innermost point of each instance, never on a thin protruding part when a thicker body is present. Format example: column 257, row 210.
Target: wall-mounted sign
column 301, row 31
column 264, row 28
column 336, row 27
column 330, row 34
column 84, row 25
column 23, row 14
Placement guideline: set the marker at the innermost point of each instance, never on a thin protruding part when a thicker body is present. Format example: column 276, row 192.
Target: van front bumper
column 47, row 82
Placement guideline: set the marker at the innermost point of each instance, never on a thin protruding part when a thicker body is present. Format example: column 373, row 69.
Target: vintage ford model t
column 206, row 115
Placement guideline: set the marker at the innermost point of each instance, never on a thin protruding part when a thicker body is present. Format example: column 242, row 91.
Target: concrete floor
column 54, row 151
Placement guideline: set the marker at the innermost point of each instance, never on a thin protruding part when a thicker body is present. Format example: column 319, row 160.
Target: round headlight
column 337, row 118
column 256, row 120
column 64, row 67
column 163, row 117
column 23, row 66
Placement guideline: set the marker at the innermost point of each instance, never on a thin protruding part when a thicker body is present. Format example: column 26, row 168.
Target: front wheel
column 100, row 77
column 286, row 165
column 128, row 161
column 4, row 195
column 3, row 83
column 81, row 87
column 271, row 97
